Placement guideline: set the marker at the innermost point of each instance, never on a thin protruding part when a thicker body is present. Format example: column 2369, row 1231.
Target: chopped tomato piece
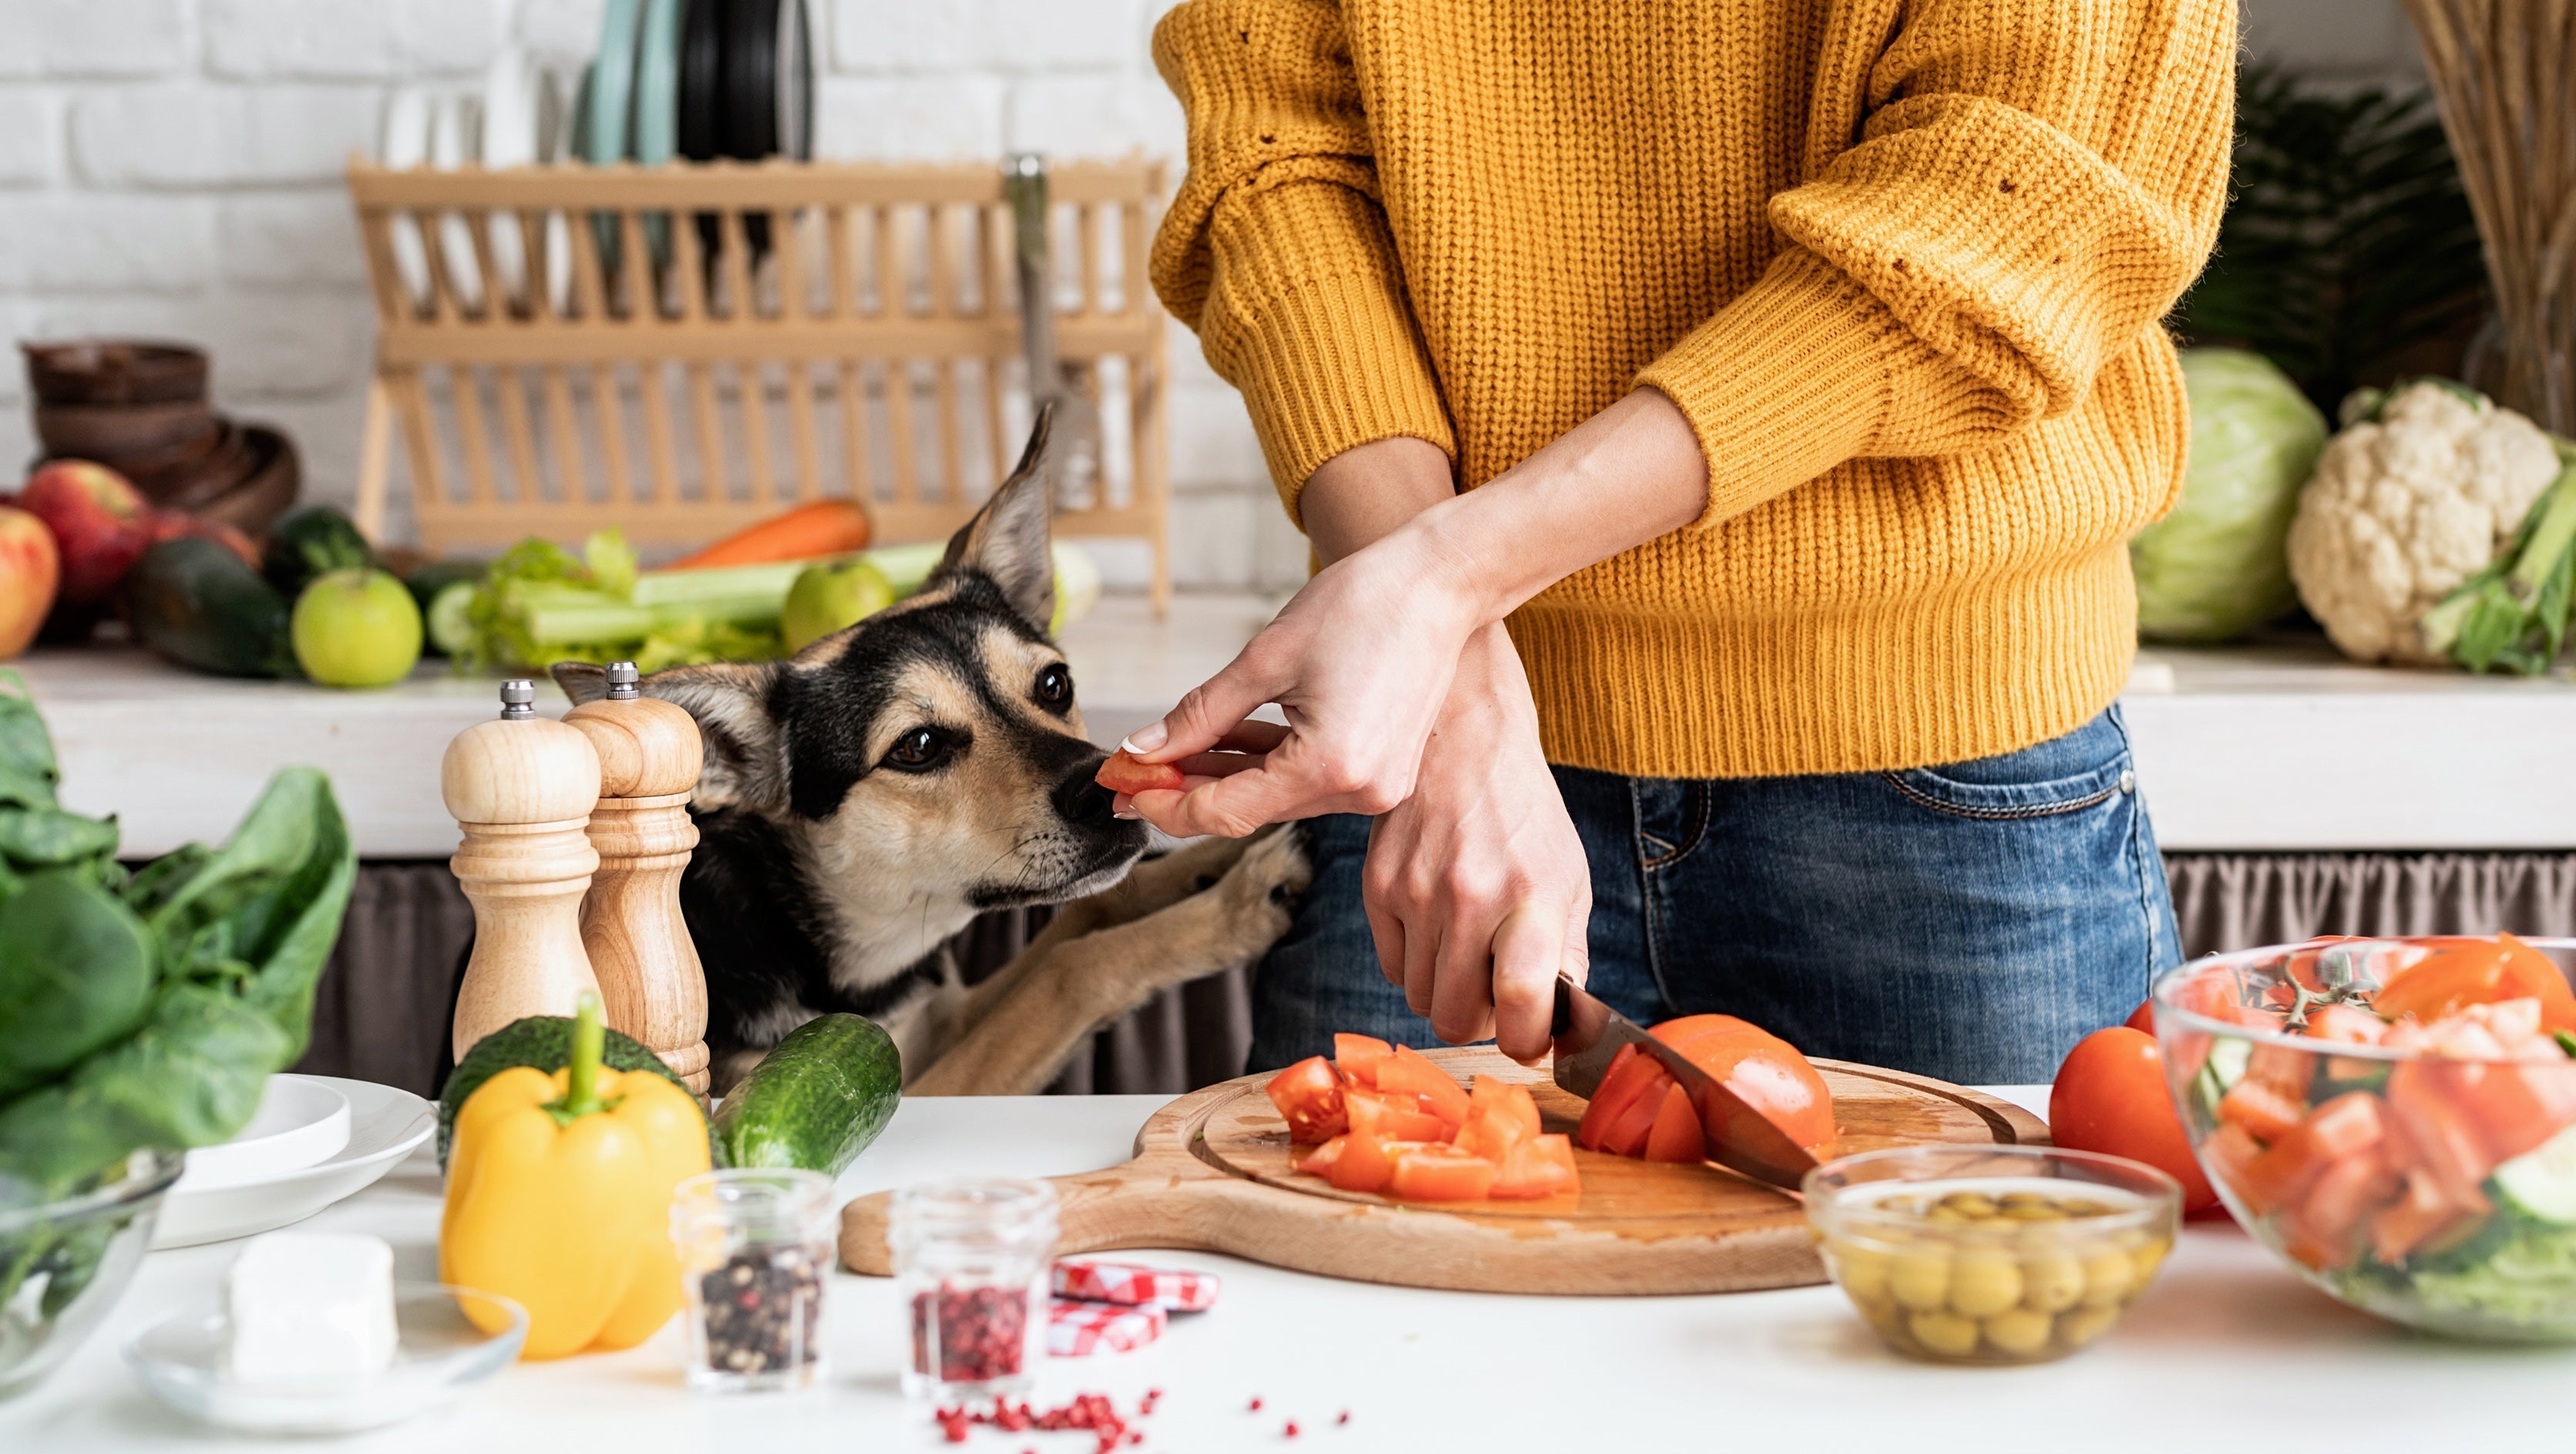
column 1319, row 1162
column 2281, row 1175
column 1122, row 773
column 1407, row 1069
column 2481, row 971
column 1675, row 1135
column 2259, row 1108
column 1513, row 1101
column 1442, row 1174
column 2230, row 1152
column 2347, row 1023
column 1364, row 1165
column 2325, row 1232
column 2345, row 1126
column 2440, row 1139
column 1399, row 1117
column 1358, row 1056
column 1542, row 1167
column 1764, row 1071
column 2287, row 1069
column 1631, row 1072
column 1310, row 1096
column 1491, row 1132
column 2424, row 1218
column 1627, row 1136
column 2512, row 1107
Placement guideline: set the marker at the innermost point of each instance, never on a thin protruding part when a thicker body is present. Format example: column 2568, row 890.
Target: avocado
column 543, row 1042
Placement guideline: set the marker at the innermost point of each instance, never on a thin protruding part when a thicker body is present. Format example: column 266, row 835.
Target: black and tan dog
column 864, row 800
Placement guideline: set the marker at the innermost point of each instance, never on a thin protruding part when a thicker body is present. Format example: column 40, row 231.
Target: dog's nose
column 1080, row 800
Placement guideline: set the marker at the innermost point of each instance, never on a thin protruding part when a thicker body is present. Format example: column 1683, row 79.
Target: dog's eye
column 919, row 748
column 1055, row 685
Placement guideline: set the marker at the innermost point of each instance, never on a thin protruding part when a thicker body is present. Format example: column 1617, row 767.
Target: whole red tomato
column 2110, row 1097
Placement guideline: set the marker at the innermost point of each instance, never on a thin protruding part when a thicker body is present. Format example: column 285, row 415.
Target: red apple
column 99, row 522
column 29, row 568
column 179, row 525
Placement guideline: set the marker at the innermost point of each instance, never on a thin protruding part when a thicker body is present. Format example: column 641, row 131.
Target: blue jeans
column 1970, row 922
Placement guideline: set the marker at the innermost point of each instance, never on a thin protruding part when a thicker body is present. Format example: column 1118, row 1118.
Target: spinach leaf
column 76, row 972
column 27, row 774
column 35, row 837
column 190, row 1077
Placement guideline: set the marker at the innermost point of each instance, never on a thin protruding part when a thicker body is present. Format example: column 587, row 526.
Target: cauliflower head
column 2403, row 508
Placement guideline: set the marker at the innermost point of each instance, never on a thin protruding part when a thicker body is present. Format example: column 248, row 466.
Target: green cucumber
column 816, row 1100
column 194, row 601
column 2220, row 1072
column 2541, row 1183
column 542, row 1042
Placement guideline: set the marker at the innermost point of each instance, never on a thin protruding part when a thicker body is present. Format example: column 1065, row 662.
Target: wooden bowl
column 276, row 477
column 114, row 371
column 191, row 483
column 115, row 431
column 159, row 463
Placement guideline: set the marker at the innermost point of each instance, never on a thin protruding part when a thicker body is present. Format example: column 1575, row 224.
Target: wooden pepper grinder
column 521, row 788
column 650, row 981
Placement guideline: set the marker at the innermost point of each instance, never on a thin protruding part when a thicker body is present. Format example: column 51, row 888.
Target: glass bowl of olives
column 1991, row 1254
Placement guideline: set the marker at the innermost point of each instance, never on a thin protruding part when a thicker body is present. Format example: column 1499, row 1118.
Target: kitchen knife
column 1588, row 1035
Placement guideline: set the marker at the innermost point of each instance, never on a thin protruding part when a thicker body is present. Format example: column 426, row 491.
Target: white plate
column 509, row 140
column 556, row 103
column 301, row 1121
column 406, row 144
column 385, row 1125
column 453, row 138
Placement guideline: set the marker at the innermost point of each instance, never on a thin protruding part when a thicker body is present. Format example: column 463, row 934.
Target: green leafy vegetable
column 2216, row 566
column 76, row 972
column 2524, row 1275
column 2512, row 615
column 540, row 604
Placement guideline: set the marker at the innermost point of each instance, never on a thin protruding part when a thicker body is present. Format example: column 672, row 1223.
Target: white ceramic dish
column 302, row 1121
column 385, row 1125
column 406, row 144
column 440, row 1352
column 558, row 104
column 454, row 137
column 509, row 140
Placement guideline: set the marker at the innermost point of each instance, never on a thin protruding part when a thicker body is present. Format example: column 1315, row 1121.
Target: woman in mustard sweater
column 1721, row 423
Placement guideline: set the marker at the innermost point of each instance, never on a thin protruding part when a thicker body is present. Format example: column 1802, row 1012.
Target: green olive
column 1861, row 1270
column 2040, row 1211
column 2012, row 1199
column 1920, row 1279
column 1948, row 1216
column 2083, row 1208
column 1944, row 1333
column 2108, row 1276
column 2145, row 1260
column 1983, row 1284
column 2019, row 1331
column 2052, row 1281
column 1976, row 1206
column 2086, row 1324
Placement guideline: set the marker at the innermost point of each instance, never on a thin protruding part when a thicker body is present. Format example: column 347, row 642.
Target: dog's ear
column 746, row 759
column 580, row 680
column 1006, row 542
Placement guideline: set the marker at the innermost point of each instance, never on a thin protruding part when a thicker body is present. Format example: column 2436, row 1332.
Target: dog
column 865, row 799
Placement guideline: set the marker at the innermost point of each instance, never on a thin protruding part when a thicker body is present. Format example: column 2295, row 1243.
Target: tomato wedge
column 1359, row 1056
column 1631, row 1072
column 2258, row 1107
column 1310, row 1096
column 1438, row 1173
column 1675, row 1136
column 1364, row 1165
column 1122, row 773
column 1396, row 1117
column 1407, row 1069
column 1764, row 1071
column 2480, row 972
column 1627, row 1135
column 1541, row 1167
column 1513, row 1101
column 1319, row 1162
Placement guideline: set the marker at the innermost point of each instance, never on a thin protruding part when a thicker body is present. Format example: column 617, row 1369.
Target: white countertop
column 2239, row 748
column 2227, row 1351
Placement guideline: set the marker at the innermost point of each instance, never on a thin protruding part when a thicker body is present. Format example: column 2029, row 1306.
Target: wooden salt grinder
column 650, row 981
column 521, row 788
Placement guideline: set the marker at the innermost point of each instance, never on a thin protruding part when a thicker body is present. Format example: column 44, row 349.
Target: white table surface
column 2227, row 1351
column 2239, row 748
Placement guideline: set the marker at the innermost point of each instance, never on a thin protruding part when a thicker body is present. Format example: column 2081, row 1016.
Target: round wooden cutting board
column 1212, row 1174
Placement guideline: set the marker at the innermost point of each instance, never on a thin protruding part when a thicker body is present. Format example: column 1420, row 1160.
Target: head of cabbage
column 2216, row 568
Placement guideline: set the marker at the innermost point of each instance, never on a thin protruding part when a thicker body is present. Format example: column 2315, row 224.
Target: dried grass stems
column 2504, row 76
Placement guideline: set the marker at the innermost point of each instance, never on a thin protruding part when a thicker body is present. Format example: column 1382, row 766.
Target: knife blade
column 1588, row 1035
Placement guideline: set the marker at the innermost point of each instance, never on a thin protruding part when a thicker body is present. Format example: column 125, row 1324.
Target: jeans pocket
column 2083, row 769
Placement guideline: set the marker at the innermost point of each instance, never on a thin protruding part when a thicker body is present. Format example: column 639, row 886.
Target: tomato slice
column 2441, row 1140
column 2229, row 1153
column 1763, row 1070
column 1627, row 1135
column 1407, row 1069
column 1319, row 1162
column 1359, row 1055
column 2479, row 972
column 1396, row 1117
column 1122, row 773
column 1631, row 1071
column 1675, row 1135
column 1364, row 1164
column 2423, row 1218
column 1542, row 1167
column 2527, row 971
column 2325, row 1233
column 2259, row 1108
column 1513, row 1101
column 1310, row 1096
column 1442, row 1174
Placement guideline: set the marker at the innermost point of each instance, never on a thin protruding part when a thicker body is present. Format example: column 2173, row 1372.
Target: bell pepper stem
column 581, row 1074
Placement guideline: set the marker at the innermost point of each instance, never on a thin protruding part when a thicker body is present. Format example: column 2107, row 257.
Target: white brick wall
column 170, row 167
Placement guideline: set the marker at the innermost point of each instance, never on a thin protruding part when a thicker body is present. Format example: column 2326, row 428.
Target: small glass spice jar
column 755, row 1255
column 972, row 1260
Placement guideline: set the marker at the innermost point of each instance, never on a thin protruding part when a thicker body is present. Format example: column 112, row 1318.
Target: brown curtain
column 383, row 1009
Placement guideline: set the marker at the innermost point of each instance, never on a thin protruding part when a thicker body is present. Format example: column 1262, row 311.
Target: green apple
column 356, row 628
column 830, row 596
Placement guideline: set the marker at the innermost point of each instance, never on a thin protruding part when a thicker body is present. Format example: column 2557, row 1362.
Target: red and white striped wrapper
column 1080, row 1329
column 1137, row 1285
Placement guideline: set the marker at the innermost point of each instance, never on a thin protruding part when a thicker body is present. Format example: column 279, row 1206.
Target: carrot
column 824, row 527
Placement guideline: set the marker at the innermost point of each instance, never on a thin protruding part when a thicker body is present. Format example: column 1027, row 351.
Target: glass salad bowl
column 65, row 1261
column 2395, row 1117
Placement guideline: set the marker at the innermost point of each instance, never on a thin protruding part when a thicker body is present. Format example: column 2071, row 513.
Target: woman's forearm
column 1369, row 491
column 1630, row 473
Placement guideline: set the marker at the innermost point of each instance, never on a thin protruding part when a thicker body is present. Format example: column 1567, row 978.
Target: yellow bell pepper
column 559, row 1197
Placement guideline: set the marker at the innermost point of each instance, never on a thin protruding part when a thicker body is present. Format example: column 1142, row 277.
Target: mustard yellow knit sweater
column 1901, row 262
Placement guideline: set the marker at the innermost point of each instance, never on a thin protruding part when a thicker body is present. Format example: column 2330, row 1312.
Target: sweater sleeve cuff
column 1328, row 359
column 1793, row 377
